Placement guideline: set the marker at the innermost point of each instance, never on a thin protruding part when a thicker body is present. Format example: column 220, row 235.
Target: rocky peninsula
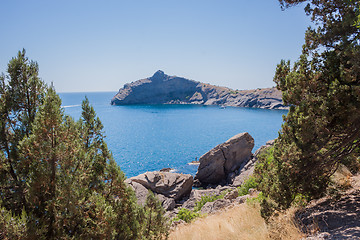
column 165, row 89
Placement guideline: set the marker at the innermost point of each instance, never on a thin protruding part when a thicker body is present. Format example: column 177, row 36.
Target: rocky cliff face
column 164, row 89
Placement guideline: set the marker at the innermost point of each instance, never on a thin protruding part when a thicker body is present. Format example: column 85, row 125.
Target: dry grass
column 284, row 227
column 240, row 222
column 342, row 177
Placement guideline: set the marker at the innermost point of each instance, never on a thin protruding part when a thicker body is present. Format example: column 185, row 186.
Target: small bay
column 151, row 137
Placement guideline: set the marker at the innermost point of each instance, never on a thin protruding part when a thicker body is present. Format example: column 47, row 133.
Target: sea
column 152, row 137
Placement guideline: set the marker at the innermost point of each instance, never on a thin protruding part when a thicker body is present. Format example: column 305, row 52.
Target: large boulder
column 167, row 203
column 141, row 192
column 224, row 159
column 171, row 185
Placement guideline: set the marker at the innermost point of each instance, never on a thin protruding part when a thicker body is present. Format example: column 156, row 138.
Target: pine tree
column 58, row 178
column 50, row 153
column 322, row 128
column 21, row 93
column 154, row 223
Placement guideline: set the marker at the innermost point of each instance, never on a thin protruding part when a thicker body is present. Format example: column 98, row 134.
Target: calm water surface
column 151, row 137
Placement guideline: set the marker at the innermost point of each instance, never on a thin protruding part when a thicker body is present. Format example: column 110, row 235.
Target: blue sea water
column 151, row 137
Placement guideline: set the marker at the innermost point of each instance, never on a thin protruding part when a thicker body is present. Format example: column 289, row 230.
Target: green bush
column 186, row 215
column 11, row 226
column 256, row 200
column 249, row 183
column 207, row 198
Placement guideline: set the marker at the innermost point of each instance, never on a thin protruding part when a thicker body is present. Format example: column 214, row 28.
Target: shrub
column 11, row 226
column 208, row 198
column 251, row 182
column 186, row 215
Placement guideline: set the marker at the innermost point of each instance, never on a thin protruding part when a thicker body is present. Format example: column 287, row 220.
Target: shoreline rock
column 165, row 89
column 223, row 160
column 171, row 185
column 168, row 187
column 175, row 190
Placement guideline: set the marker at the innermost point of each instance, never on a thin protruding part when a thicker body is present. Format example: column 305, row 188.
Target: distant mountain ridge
column 165, row 89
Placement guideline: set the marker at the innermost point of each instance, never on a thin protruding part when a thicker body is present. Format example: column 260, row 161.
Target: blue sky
column 88, row 45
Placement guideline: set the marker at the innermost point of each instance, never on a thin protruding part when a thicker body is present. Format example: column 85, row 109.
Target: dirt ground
column 334, row 218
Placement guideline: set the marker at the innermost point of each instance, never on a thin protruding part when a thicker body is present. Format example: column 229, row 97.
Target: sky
column 99, row 45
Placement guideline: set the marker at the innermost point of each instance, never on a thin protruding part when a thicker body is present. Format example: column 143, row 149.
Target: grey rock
column 167, row 203
column 264, row 147
column 244, row 173
column 323, row 236
column 164, row 89
column 224, row 159
column 232, row 195
column 171, row 214
column 221, row 189
column 166, row 170
column 141, row 192
column 196, row 195
column 171, row 185
column 241, row 199
column 248, row 169
column 212, row 207
column 231, row 176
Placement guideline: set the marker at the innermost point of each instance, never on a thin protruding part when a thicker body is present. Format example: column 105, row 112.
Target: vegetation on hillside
column 240, row 222
column 322, row 128
column 58, row 179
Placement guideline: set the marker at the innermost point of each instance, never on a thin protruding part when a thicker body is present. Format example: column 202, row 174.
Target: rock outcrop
column 195, row 196
column 164, row 89
column 224, row 159
column 212, row 207
column 248, row 169
column 221, row 170
column 170, row 185
column 141, row 192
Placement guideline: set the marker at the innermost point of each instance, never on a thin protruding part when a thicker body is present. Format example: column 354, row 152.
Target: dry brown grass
column 342, row 177
column 240, row 222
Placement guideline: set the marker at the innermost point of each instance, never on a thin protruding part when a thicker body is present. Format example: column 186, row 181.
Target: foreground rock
column 164, row 89
column 224, row 159
column 168, row 184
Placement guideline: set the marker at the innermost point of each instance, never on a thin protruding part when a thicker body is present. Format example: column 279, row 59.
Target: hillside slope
column 164, row 89
column 334, row 218
column 325, row 218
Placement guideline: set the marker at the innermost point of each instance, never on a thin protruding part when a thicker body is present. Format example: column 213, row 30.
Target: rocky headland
column 165, row 89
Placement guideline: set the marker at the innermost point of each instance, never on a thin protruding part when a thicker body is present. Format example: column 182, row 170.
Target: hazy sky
column 88, row 45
